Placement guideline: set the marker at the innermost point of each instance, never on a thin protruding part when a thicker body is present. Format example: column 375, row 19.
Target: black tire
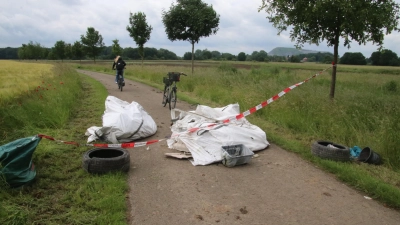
column 172, row 99
column 165, row 96
column 321, row 149
column 104, row 160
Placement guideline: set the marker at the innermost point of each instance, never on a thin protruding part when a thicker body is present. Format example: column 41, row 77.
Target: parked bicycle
column 170, row 89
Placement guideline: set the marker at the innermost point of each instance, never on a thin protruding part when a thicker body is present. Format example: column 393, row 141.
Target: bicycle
column 170, row 89
column 120, row 81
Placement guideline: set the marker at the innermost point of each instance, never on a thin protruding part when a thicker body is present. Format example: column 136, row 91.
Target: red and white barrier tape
column 210, row 126
column 122, row 145
column 259, row 106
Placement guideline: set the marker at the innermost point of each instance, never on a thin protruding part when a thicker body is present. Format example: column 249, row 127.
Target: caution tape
column 191, row 130
column 259, row 106
column 100, row 145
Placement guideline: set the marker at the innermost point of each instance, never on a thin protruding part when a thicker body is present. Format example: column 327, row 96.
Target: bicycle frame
column 170, row 89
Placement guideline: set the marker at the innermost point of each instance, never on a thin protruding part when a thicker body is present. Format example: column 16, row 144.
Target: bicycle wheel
column 165, row 96
column 172, row 99
column 120, row 82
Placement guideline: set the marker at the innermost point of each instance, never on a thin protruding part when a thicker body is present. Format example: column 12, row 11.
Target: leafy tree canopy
column 242, row 56
column 92, row 42
column 59, row 50
column 139, row 30
column 189, row 20
column 353, row 58
column 77, row 50
column 385, row 57
column 116, row 48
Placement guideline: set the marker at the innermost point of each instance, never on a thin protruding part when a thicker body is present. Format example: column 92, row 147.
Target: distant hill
column 281, row 51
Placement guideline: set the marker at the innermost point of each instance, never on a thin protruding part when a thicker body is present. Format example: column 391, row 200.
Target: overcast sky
column 242, row 28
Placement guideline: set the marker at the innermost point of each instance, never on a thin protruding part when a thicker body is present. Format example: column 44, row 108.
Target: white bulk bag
column 122, row 122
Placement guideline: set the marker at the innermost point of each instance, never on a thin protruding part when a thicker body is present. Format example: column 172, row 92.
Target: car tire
column 104, row 160
column 323, row 150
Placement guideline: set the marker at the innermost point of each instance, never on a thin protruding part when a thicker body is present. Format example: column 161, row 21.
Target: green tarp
column 16, row 166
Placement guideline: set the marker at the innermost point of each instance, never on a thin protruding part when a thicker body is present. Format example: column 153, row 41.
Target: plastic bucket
column 369, row 156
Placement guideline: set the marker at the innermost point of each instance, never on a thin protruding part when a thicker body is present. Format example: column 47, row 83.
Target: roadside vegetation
column 365, row 111
column 55, row 100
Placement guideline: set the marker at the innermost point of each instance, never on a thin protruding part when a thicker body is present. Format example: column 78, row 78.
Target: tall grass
column 44, row 99
column 63, row 193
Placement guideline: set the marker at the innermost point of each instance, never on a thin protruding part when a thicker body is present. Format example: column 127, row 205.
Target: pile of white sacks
column 202, row 133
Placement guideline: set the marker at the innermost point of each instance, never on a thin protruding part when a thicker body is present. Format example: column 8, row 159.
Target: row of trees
column 385, row 57
column 32, row 50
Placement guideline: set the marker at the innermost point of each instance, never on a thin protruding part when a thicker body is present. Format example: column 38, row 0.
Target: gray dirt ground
column 278, row 187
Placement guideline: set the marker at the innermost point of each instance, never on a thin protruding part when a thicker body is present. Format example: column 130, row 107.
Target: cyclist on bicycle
column 119, row 64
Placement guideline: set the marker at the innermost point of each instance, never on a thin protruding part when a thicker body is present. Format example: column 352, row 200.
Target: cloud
column 242, row 28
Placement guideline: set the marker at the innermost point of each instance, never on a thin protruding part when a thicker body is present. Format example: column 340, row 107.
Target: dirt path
column 277, row 187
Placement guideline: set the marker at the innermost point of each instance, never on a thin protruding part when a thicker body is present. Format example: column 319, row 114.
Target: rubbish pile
column 338, row 152
column 202, row 133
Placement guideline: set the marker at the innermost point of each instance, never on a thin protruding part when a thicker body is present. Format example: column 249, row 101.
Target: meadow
column 54, row 99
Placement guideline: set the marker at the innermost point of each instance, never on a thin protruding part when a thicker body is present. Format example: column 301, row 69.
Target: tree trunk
column 334, row 64
column 141, row 53
column 333, row 81
column 192, row 57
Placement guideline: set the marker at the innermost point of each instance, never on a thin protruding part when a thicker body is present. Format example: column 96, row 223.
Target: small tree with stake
column 139, row 30
column 315, row 21
column 189, row 20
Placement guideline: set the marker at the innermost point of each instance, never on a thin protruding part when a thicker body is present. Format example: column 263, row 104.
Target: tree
column 388, row 58
column 22, row 52
column 188, row 56
column 59, row 50
column 384, row 57
column 68, row 51
column 227, row 56
column 77, row 50
column 317, row 21
column 189, row 20
column 294, row 59
column 116, row 48
column 216, row 55
column 92, row 43
column 207, row 54
column 353, row 58
column 139, row 30
column 32, row 51
column 375, row 58
column 198, row 54
column 242, row 56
